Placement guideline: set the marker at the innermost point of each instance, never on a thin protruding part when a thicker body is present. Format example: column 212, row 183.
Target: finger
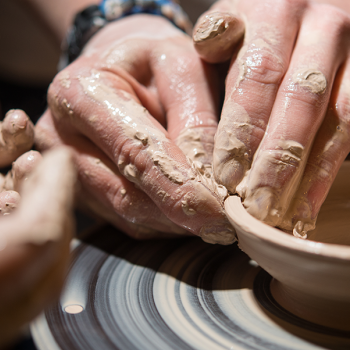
column 9, row 201
column 143, row 152
column 328, row 152
column 128, row 58
column 35, row 243
column 17, row 136
column 217, row 32
column 188, row 91
column 116, row 199
column 252, row 85
column 22, row 167
column 297, row 115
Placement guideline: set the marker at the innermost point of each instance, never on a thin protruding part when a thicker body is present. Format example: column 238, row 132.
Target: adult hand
column 139, row 110
column 34, row 242
column 285, row 125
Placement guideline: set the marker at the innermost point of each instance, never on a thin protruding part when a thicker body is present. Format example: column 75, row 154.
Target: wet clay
column 166, row 165
column 146, row 135
column 300, row 218
column 64, row 79
column 311, row 79
column 137, row 126
column 189, row 141
column 216, row 35
column 268, row 201
column 211, row 26
column 231, row 159
column 311, row 279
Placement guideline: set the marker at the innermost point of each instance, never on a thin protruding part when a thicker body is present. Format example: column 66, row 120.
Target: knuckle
column 130, row 206
column 129, row 158
column 265, row 67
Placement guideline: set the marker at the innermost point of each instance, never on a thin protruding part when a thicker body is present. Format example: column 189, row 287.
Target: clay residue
column 292, row 152
column 67, row 106
column 187, row 204
column 166, row 165
column 263, row 205
column 312, row 79
column 205, row 177
column 300, row 218
column 223, row 234
column 190, row 143
column 163, row 195
column 141, row 137
column 133, row 120
column 211, row 26
column 64, row 79
column 131, row 173
column 136, row 126
column 268, row 197
column 231, row 158
column 123, row 192
column 299, row 230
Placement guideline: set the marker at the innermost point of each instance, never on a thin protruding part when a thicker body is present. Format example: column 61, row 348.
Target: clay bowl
column 311, row 278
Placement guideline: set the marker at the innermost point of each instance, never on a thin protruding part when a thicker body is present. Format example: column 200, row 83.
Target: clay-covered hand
column 139, row 109
column 34, row 242
column 17, row 136
column 284, row 129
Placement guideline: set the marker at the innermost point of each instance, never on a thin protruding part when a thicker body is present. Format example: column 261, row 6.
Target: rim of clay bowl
column 239, row 217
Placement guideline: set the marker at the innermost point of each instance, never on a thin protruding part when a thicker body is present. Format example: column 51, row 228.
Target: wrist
column 93, row 18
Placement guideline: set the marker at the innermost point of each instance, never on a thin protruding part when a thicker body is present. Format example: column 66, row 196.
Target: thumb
column 35, row 243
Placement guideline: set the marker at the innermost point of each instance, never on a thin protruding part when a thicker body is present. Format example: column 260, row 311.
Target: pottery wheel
column 169, row 294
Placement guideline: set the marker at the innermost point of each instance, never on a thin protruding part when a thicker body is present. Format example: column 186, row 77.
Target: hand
column 284, row 129
column 34, row 242
column 139, row 110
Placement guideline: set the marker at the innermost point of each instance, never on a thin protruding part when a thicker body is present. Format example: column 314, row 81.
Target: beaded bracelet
column 89, row 21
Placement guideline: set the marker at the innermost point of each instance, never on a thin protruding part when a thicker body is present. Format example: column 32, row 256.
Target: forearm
column 58, row 15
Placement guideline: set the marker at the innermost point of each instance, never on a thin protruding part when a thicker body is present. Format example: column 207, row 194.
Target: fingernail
column 218, row 233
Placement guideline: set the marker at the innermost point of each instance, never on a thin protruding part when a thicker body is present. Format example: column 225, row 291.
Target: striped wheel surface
column 167, row 294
